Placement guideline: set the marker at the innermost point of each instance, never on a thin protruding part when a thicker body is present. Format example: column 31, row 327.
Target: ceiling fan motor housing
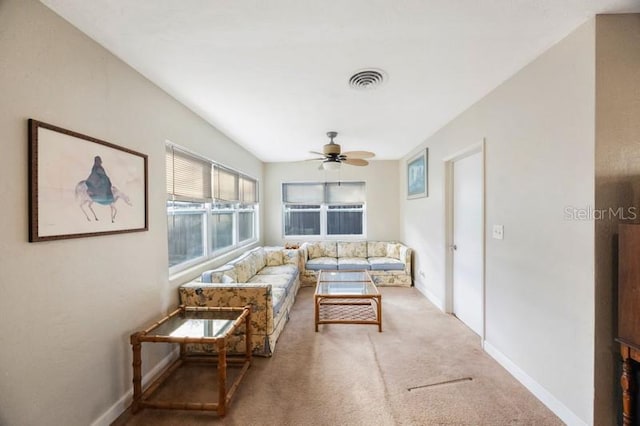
column 331, row 149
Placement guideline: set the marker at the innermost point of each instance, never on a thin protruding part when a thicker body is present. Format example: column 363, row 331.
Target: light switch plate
column 498, row 232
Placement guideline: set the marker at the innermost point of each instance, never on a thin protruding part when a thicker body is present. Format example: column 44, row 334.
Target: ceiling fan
column 332, row 157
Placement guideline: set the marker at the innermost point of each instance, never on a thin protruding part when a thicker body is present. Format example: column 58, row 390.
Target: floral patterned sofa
column 388, row 263
column 267, row 278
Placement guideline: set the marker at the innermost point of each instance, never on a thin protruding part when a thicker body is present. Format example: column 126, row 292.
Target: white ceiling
column 273, row 75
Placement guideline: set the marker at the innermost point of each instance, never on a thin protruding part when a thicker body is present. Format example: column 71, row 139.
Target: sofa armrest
column 259, row 296
column 304, row 251
column 405, row 256
column 304, row 256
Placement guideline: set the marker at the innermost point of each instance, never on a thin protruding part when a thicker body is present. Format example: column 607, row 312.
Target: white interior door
column 468, row 238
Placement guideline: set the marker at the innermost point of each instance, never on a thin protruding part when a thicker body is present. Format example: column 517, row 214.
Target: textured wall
column 539, row 301
column 382, row 194
column 617, row 185
column 68, row 307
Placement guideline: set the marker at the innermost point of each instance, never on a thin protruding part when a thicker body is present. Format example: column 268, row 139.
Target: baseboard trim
column 123, row 403
column 429, row 295
column 555, row 405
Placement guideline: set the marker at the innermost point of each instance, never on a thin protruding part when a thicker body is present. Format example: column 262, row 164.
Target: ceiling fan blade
column 316, row 153
column 359, row 154
column 315, row 159
column 356, row 161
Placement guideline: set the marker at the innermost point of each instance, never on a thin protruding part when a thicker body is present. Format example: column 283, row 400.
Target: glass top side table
column 204, row 325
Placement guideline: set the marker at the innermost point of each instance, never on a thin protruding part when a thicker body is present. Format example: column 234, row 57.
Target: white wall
column 539, row 130
column 382, row 183
column 67, row 307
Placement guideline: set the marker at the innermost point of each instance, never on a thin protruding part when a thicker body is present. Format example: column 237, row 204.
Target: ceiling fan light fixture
column 331, row 165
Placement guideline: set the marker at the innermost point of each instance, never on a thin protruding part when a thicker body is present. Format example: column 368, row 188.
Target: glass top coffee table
column 347, row 297
column 186, row 325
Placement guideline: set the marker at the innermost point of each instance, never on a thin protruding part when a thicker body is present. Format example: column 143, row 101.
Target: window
column 344, row 220
column 246, row 228
column 186, row 224
column 221, row 227
column 211, row 209
column 300, row 219
column 324, row 209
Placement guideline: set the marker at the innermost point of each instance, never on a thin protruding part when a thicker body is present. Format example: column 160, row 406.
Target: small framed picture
column 418, row 175
column 81, row 186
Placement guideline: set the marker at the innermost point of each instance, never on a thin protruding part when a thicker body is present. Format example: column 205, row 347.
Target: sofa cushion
column 385, row 263
column 224, row 274
column 356, row 263
column 393, row 250
column 352, row 249
column 258, row 260
column 276, row 281
column 279, row 270
column 322, row 263
column 322, row 249
column 291, row 256
column 377, row 249
column 242, row 269
column 274, row 256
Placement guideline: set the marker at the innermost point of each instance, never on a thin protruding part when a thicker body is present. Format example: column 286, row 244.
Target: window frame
column 323, row 211
column 210, row 206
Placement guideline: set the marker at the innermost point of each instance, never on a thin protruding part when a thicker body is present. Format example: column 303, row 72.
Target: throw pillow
column 393, row 250
column 314, row 250
column 274, row 257
column 329, row 248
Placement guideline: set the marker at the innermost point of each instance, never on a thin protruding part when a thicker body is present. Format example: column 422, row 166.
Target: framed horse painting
column 82, row 186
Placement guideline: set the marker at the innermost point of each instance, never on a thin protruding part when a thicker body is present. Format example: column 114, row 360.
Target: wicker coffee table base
column 340, row 310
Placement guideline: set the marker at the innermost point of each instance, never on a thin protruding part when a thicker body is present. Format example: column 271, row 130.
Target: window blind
column 249, row 190
column 346, row 193
column 188, row 177
column 191, row 178
column 303, row 193
column 225, row 184
column 329, row 192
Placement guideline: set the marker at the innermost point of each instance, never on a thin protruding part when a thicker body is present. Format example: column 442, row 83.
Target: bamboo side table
column 204, row 325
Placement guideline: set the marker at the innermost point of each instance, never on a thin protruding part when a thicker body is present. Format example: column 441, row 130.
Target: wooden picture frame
column 418, row 175
column 82, row 186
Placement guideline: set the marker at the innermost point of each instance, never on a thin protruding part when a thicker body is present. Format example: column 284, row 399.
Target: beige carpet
column 353, row 375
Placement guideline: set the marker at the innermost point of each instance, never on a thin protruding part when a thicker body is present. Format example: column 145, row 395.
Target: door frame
column 448, row 223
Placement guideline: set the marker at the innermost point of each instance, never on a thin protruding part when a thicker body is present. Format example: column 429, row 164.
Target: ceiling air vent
column 367, row 79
